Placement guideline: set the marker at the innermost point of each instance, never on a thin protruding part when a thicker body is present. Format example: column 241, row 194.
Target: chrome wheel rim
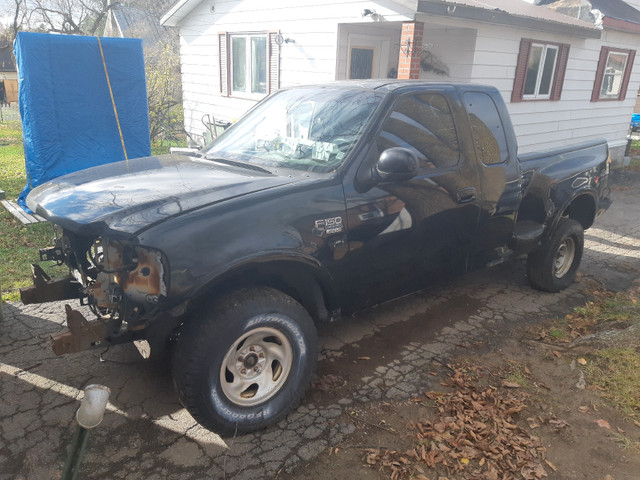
column 564, row 257
column 256, row 366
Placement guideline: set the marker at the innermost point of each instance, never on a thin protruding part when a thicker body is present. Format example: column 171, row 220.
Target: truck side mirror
column 396, row 165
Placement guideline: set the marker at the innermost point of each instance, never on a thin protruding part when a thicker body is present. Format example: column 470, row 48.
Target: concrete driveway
column 380, row 354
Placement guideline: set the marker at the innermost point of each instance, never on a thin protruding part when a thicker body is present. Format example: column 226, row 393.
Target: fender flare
column 312, row 266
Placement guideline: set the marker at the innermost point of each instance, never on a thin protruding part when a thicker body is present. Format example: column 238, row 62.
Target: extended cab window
column 422, row 123
column 486, row 126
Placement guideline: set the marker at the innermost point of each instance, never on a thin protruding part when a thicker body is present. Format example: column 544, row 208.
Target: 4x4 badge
column 328, row 226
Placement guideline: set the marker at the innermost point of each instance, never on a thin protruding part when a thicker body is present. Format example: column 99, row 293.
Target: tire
column 553, row 266
column 247, row 362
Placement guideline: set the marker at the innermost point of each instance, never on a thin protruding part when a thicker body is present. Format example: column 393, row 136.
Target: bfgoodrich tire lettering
column 553, row 266
column 245, row 363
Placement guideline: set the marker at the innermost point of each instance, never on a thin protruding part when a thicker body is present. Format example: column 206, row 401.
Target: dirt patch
column 546, row 418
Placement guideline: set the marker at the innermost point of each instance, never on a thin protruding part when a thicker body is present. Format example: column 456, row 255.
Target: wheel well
column 532, row 209
column 292, row 278
column 583, row 210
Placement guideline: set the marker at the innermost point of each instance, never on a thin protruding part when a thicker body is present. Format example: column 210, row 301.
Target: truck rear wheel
column 247, row 362
column 553, row 266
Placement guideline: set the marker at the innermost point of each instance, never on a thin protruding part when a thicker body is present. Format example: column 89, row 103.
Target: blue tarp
column 68, row 120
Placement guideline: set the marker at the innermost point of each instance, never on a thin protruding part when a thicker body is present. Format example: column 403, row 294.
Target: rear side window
column 486, row 126
column 424, row 124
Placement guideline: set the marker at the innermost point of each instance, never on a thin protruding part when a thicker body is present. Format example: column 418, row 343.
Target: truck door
column 500, row 178
column 404, row 235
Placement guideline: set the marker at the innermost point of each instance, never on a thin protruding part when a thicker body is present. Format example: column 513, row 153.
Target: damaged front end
column 124, row 285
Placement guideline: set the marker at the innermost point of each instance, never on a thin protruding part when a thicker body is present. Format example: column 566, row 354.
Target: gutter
column 177, row 12
column 501, row 17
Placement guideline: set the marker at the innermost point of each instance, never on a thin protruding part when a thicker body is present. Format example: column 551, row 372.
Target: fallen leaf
column 620, row 430
column 508, row 384
column 582, row 361
column 583, row 408
column 464, row 460
column 558, row 423
column 364, row 358
column 603, row 423
column 440, row 427
column 551, row 465
column 482, row 460
column 557, row 354
column 636, row 423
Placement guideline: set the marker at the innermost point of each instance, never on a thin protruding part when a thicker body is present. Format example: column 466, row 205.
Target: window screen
column 424, row 124
column 487, row 129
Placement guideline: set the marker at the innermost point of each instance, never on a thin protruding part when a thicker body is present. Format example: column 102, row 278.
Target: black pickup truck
column 320, row 201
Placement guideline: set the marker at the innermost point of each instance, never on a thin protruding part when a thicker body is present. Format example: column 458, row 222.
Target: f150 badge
column 328, row 226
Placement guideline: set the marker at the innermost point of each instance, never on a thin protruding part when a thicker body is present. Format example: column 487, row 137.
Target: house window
column 612, row 76
column 540, row 70
column 249, row 63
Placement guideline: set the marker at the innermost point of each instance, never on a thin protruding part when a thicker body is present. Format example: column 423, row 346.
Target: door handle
column 466, row 195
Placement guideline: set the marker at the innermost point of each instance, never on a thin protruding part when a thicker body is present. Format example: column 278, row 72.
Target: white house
column 566, row 79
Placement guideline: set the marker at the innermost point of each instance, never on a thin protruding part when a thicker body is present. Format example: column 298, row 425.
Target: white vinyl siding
column 473, row 52
column 311, row 58
column 574, row 118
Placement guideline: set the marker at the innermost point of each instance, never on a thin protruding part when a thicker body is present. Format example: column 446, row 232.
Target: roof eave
column 504, row 18
column 622, row 25
column 177, row 12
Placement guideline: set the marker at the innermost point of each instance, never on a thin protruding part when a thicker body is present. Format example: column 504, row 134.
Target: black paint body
column 220, row 226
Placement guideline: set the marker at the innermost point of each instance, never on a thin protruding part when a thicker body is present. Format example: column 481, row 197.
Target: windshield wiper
column 235, row 163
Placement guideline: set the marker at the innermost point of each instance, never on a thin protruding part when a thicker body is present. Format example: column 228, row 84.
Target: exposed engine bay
column 122, row 283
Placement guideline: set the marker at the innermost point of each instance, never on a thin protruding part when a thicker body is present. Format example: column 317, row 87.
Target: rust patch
column 147, row 278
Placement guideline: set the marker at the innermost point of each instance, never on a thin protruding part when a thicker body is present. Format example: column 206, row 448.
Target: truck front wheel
column 247, row 362
column 553, row 266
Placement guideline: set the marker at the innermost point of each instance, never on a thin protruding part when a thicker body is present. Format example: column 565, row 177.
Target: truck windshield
column 307, row 129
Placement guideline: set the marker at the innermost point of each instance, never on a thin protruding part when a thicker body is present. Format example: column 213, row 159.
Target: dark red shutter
column 521, row 70
column 561, row 68
column 597, row 84
column 627, row 74
column 223, row 61
column 273, row 65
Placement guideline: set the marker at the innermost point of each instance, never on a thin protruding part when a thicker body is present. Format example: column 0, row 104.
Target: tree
column 164, row 90
column 79, row 17
column 19, row 15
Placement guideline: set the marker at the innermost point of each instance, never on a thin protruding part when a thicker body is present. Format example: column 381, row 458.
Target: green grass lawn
column 19, row 243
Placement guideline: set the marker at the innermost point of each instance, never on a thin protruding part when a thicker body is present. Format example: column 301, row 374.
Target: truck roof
column 390, row 84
